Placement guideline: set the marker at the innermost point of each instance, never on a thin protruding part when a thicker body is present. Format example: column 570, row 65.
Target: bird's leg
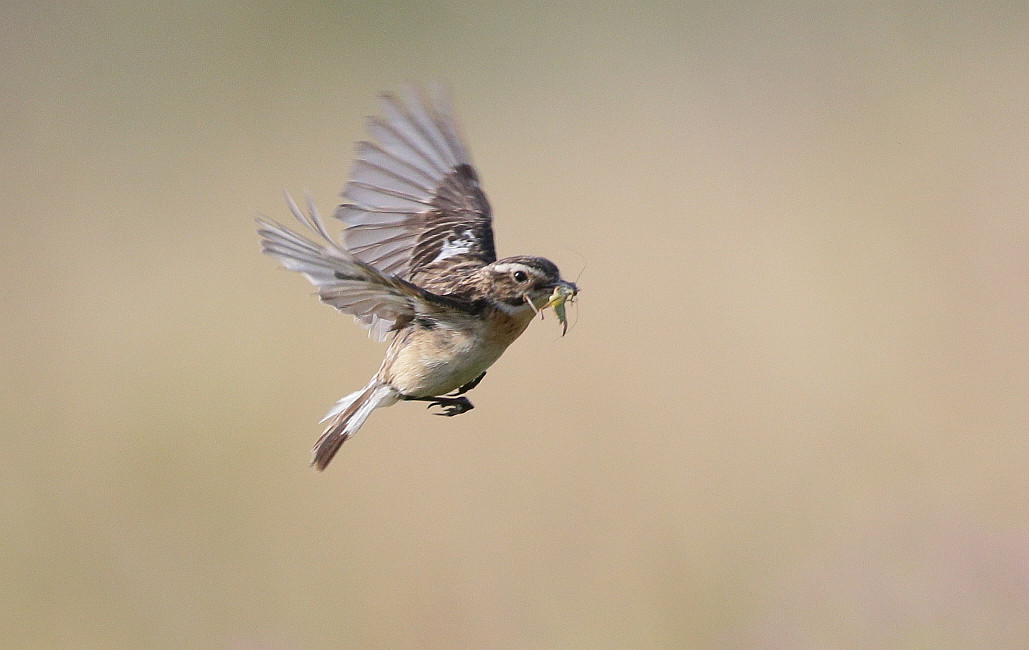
column 451, row 405
column 454, row 404
column 470, row 385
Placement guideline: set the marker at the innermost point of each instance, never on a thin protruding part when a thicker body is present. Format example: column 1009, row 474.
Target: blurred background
column 791, row 411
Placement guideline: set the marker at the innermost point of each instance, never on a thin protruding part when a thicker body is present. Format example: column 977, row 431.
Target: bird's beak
column 563, row 291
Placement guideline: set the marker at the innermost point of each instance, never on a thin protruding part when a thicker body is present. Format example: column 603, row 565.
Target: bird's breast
column 434, row 357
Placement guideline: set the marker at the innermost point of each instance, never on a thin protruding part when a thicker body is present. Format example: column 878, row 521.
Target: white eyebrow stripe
column 514, row 266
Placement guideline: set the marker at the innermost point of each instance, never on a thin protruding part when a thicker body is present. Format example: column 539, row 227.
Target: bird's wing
column 413, row 199
column 379, row 301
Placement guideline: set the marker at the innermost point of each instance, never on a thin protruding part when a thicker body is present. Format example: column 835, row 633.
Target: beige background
column 791, row 411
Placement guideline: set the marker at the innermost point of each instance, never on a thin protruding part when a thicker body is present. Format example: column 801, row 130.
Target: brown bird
column 417, row 266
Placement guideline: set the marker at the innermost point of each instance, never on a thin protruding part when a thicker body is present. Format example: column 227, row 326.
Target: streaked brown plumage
column 417, row 266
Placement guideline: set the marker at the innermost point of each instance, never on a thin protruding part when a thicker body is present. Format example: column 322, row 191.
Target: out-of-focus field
column 791, row 411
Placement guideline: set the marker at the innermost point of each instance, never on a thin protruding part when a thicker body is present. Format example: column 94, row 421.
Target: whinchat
column 416, row 265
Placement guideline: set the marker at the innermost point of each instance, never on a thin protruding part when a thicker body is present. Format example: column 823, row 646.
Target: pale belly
column 431, row 362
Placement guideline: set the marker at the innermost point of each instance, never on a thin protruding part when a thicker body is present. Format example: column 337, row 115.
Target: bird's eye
column 520, row 276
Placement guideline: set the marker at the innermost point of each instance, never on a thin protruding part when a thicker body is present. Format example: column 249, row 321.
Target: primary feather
column 413, row 199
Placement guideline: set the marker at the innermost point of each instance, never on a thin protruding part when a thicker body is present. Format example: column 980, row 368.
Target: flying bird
column 416, row 265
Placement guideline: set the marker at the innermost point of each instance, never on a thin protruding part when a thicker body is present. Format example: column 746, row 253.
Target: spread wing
column 415, row 208
column 380, row 302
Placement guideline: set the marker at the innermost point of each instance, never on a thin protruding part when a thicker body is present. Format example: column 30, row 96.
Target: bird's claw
column 452, row 405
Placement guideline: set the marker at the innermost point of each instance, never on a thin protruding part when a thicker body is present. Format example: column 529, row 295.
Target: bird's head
column 529, row 282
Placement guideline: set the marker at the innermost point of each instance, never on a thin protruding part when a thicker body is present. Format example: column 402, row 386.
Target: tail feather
column 347, row 417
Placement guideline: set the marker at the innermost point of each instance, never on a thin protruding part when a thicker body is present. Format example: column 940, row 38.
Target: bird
column 416, row 265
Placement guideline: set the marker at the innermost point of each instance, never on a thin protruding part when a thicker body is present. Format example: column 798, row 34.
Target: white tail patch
column 375, row 395
column 347, row 417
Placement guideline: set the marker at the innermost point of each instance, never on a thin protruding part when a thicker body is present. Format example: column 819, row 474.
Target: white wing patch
column 458, row 246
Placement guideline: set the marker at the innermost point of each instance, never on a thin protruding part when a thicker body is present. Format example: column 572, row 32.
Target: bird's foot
column 452, row 405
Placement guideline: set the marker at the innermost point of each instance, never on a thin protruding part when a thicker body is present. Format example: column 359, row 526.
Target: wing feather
column 370, row 173
column 375, row 155
column 413, row 198
column 379, row 301
column 373, row 196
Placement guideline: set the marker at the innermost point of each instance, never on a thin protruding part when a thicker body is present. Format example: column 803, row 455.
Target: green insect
column 562, row 294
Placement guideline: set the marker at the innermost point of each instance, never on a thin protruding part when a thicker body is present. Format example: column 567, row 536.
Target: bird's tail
column 347, row 417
